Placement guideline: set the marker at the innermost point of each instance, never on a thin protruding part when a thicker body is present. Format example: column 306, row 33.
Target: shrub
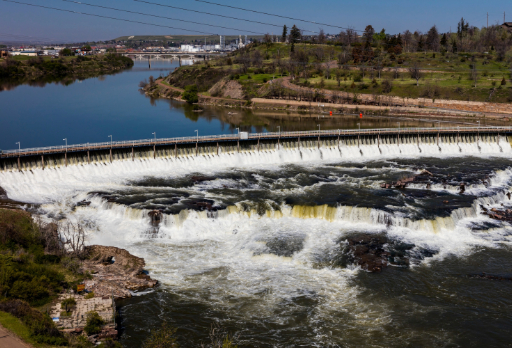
column 68, row 303
column 162, row 338
column 190, row 94
column 358, row 78
column 387, row 86
column 503, row 81
column 89, row 295
column 41, row 327
column 94, row 323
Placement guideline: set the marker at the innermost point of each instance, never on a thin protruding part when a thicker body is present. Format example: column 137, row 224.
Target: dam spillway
column 348, row 144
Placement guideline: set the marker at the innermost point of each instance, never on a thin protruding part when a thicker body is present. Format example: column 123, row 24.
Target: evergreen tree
column 294, row 34
column 285, row 33
column 444, row 40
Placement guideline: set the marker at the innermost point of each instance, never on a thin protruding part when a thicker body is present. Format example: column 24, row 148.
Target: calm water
column 91, row 110
column 259, row 243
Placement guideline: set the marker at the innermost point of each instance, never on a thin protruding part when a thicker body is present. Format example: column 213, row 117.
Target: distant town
column 127, row 46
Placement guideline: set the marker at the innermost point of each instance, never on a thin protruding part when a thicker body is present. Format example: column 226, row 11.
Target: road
column 9, row 340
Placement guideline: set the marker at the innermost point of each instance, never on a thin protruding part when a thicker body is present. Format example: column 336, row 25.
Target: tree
column 368, row 35
column 66, row 52
column 68, row 303
column 165, row 337
column 294, row 36
column 474, row 73
column 321, row 37
column 444, row 41
column 267, row 39
column 416, row 73
column 94, row 323
column 285, row 33
column 433, row 39
column 462, row 28
column 190, row 94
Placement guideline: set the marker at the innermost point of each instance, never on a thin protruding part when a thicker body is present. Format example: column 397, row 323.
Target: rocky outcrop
column 115, row 272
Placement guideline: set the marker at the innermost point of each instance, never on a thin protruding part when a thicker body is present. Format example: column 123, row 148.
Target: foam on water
column 223, row 259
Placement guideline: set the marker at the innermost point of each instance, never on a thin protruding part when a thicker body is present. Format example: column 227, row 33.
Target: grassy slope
column 15, row 325
column 450, row 73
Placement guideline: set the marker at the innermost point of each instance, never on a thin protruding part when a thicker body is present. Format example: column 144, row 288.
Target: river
column 263, row 245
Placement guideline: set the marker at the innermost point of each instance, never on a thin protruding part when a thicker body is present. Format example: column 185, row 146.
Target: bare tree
column 72, row 236
column 416, row 73
column 474, row 74
column 322, row 38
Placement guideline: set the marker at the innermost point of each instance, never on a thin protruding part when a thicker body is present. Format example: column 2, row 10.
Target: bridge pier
column 42, row 161
column 196, row 148
column 176, row 150
column 66, row 159
column 133, row 154
column 258, row 144
column 217, row 148
column 88, row 157
column 238, row 145
column 358, row 140
column 298, row 143
column 19, row 164
column 154, row 151
column 110, row 155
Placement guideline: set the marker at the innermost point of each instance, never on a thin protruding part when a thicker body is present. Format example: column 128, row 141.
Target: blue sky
column 393, row 15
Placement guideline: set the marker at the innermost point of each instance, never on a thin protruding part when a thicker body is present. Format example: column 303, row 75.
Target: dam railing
column 249, row 136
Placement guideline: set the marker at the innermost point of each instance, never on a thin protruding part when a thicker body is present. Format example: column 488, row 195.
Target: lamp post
column 398, row 127
column 279, row 130
column 110, row 140
column 359, row 125
column 197, row 135
column 19, row 147
column 318, row 129
column 238, row 131
column 66, row 140
column 154, row 133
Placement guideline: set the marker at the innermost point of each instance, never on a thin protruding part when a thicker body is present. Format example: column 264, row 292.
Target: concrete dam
column 257, row 147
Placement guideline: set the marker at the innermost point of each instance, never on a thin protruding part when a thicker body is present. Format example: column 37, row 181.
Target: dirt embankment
column 227, row 89
column 497, row 110
column 115, row 272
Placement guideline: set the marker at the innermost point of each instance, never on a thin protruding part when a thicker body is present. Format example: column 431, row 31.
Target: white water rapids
column 222, row 258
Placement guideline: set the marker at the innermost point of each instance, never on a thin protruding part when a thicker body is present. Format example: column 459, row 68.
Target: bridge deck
column 254, row 136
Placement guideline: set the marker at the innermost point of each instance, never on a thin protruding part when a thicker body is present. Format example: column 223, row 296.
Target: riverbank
column 45, row 265
column 391, row 106
column 38, row 69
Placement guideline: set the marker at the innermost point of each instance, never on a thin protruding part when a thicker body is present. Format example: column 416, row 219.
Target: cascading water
column 257, row 240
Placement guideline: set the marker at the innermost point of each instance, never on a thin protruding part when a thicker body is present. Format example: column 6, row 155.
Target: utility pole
column 487, row 20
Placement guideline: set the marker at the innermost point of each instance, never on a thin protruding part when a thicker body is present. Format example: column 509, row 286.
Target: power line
column 107, row 17
column 213, row 14
column 156, row 16
column 273, row 15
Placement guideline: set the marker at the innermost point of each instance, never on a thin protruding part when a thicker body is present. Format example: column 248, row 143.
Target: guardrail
column 251, row 136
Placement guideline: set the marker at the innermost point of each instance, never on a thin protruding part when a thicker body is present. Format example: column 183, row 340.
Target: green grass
column 15, row 325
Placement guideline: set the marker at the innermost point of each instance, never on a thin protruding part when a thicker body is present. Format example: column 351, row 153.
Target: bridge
column 173, row 55
column 255, row 142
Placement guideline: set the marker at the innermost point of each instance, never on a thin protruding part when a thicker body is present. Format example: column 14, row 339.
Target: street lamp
column 359, row 125
column 197, row 134
column 398, row 127
column 19, row 147
column 238, row 132
column 478, row 124
column 154, row 133
column 279, row 130
column 110, row 140
column 66, row 140
column 318, row 128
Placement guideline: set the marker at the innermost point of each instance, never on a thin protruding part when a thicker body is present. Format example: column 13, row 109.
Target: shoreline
column 162, row 89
